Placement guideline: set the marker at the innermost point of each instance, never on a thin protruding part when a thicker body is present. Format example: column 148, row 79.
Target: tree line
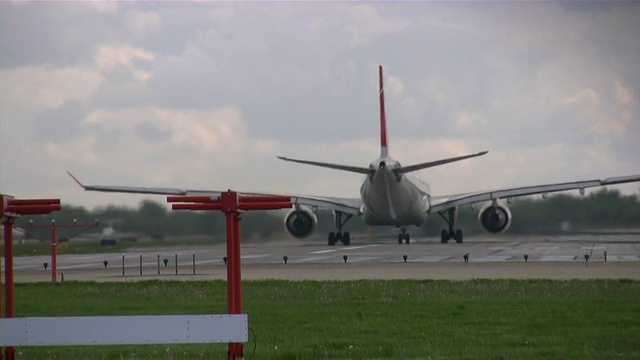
column 604, row 209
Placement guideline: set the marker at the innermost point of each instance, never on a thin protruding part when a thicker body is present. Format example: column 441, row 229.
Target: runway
column 609, row 256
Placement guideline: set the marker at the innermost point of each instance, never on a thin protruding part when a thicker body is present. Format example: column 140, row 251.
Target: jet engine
column 495, row 218
column 300, row 222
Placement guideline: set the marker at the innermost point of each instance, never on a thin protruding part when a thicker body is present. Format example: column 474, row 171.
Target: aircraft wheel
column 332, row 239
column 399, row 238
column 444, row 236
column 346, row 238
column 407, row 238
column 458, row 236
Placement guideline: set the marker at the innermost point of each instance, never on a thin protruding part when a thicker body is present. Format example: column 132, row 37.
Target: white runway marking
column 359, row 247
column 257, row 256
column 558, row 258
column 491, row 258
column 342, row 249
column 432, row 258
column 322, row 251
column 593, row 248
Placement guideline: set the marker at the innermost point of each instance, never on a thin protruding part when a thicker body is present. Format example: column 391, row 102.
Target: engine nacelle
column 300, row 222
column 496, row 218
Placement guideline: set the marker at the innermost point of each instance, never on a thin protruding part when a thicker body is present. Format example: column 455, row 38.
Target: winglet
column 383, row 118
column 76, row 180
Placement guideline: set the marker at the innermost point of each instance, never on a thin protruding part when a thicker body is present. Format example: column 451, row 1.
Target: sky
column 205, row 95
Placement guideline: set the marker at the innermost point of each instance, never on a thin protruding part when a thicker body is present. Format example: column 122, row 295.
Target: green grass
column 494, row 319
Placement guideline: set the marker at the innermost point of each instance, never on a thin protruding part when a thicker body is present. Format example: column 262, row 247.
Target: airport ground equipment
column 100, row 330
column 79, row 227
column 233, row 205
column 10, row 209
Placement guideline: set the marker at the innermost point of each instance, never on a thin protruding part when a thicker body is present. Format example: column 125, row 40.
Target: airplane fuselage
column 393, row 199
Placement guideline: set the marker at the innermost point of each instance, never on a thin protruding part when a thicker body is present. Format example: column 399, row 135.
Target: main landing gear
column 338, row 235
column 404, row 235
column 451, row 217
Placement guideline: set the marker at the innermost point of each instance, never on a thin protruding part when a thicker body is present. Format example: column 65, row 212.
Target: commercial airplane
column 391, row 196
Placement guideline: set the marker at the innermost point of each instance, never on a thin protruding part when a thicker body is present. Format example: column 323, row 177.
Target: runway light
column 526, row 258
column 405, row 257
column 165, row 261
column 105, row 263
column 285, row 258
column 225, row 260
column 466, row 257
column 45, row 265
column 345, row 258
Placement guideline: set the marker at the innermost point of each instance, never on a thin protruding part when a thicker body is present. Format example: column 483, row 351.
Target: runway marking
column 431, row 258
column 500, row 248
column 558, row 258
column 80, row 266
column 322, row 251
column 258, row 256
column 548, row 248
column 344, row 249
column 593, row 248
column 493, row 258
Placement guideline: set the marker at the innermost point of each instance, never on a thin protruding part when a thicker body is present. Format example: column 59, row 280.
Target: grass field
column 479, row 319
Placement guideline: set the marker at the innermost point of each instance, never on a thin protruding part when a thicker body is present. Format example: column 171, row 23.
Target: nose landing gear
column 404, row 235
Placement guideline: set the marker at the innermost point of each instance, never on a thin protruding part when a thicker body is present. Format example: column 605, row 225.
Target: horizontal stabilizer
column 355, row 169
column 407, row 169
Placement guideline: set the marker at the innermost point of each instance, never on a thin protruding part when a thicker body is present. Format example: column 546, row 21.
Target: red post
column 231, row 292
column 6, row 233
column 54, row 252
column 232, row 205
column 8, row 278
column 238, row 268
column 7, row 228
column 237, row 277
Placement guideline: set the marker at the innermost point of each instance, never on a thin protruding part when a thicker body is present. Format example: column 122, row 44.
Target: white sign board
column 124, row 330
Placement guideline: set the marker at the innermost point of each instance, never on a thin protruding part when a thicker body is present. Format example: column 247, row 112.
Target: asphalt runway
column 504, row 257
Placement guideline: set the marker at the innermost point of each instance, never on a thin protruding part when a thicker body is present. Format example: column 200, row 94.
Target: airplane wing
column 446, row 202
column 345, row 205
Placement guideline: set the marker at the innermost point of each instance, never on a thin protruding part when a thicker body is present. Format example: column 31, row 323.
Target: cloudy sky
column 206, row 95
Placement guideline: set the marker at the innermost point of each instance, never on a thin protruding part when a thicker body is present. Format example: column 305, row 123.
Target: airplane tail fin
column 383, row 119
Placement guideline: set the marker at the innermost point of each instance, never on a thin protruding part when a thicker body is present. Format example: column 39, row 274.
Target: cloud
column 44, row 87
column 109, row 57
column 127, row 93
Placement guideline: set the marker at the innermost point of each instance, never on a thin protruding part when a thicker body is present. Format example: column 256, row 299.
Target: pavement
column 552, row 257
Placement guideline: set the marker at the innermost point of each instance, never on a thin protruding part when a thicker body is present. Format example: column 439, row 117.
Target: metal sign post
column 10, row 209
column 54, row 238
column 233, row 206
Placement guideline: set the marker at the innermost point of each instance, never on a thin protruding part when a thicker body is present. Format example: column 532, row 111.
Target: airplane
column 391, row 195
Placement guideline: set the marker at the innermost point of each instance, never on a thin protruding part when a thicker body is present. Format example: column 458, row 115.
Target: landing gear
column 446, row 234
column 339, row 236
column 404, row 235
column 344, row 238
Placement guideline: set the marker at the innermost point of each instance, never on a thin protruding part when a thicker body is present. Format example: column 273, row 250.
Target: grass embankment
column 368, row 319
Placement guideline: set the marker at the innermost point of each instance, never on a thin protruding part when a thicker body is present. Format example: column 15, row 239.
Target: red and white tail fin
column 383, row 119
